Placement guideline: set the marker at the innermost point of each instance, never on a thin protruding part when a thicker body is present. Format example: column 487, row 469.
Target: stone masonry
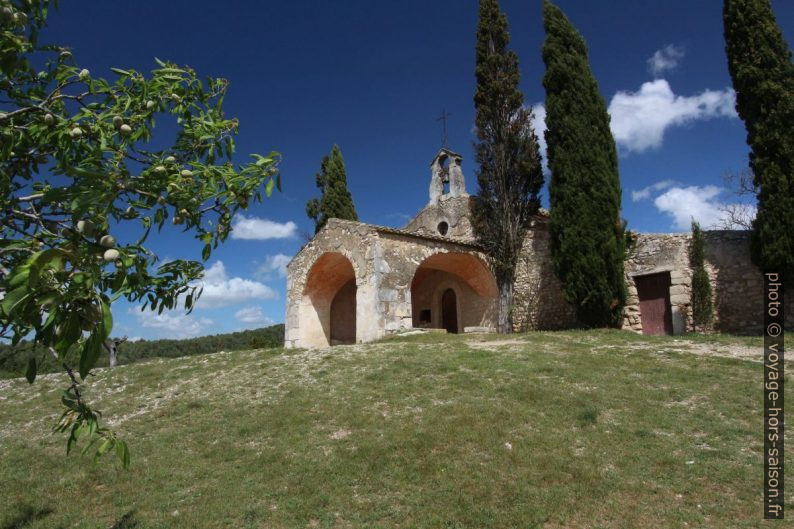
column 357, row 282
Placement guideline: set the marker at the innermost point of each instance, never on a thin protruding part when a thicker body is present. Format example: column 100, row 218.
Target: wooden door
column 449, row 311
column 655, row 313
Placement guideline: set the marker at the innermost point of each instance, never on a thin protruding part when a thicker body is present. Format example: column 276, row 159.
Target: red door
column 655, row 313
column 449, row 311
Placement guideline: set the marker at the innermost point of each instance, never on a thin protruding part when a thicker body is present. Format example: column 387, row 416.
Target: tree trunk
column 112, row 354
column 112, row 347
column 505, row 321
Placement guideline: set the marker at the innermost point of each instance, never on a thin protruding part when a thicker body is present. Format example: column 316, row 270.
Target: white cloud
column 253, row 316
column 273, row 264
column 640, row 119
column 220, row 290
column 702, row 204
column 645, row 193
column 254, row 228
column 174, row 326
column 539, row 125
column 665, row 59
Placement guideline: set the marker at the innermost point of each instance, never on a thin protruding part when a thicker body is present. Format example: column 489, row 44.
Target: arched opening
column 328, row 305
column 449, row 311
column 444, row 162
column 343, row 315
column 453, row 291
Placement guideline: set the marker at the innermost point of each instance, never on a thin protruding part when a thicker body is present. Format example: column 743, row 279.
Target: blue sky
column 373, row 76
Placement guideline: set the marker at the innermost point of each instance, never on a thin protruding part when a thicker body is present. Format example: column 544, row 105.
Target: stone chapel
column 356, row 282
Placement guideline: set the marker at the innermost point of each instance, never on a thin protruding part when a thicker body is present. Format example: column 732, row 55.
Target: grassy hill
column 552, row 430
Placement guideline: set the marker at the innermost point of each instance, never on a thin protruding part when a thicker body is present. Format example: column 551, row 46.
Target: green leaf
column 30, row 373
column 107, row 318
column 69, row 400
column 123, row 453
column 120, row 71
column 106, row 445
column 269, row 187
column 20, row 278
column 41, row 260
column 205, row 253
column 90, row 353
column 72, row 439
column 14, row 300
column 92, row 426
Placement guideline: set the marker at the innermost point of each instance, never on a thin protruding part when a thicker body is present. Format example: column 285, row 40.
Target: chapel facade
column 356, row 282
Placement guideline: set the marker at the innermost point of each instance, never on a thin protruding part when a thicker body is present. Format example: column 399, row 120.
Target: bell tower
column 446, row 176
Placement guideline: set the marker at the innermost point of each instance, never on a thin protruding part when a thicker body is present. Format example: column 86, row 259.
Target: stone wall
column 385, row 262
column 652, row 254
column 396, row 273
column 737, row 285
column 452, row 210
column 400, row 255
column 308, row 312
column 537, row 299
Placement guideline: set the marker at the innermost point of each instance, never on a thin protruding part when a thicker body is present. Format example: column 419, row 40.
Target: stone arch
column 327, row 314
column 468, row 277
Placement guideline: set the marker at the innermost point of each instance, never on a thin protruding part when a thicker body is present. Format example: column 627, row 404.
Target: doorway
column 449, row 311
column 656, row 315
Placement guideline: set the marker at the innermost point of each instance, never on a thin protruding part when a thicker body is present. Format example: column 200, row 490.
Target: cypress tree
column 759, row 61
column 336, row 200
column 702, row 308
column 509, row 176
column 587, row 232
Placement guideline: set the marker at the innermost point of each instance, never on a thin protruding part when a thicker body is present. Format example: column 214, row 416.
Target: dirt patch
column 729, row 351
column 680, row 345
column 494, row 345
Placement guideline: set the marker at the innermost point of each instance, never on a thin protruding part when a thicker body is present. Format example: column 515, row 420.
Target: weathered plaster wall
column 402, row 256
column 343, row 315
column 302, row 312
column 385, row 262
column 473, row 310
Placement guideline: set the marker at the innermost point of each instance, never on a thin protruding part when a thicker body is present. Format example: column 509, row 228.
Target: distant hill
column 13, row 360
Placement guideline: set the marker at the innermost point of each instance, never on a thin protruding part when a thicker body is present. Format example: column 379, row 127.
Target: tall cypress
column 587, row 232
column 759, row 61
column 702, row 306
column 509, row 176
column 336, row 200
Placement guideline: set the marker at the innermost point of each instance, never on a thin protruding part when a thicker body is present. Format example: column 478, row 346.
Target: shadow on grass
column 27, row 514
column 127, row 521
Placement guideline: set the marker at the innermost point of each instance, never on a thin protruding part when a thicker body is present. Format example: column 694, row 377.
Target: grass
column 549, row 430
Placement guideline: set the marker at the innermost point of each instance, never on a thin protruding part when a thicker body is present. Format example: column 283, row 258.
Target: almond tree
column 76, row 163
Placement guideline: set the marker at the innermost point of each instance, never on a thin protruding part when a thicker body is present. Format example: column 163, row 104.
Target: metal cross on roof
column 443, row 119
